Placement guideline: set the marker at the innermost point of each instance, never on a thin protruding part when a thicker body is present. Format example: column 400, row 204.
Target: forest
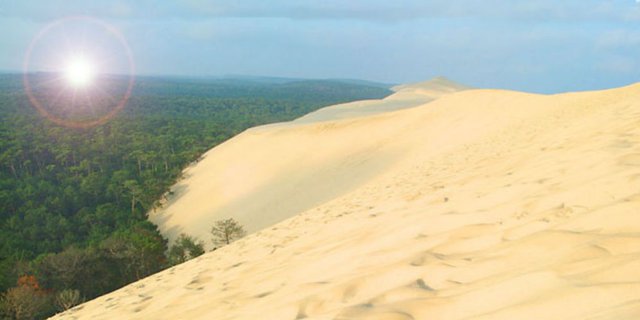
column 73, row 201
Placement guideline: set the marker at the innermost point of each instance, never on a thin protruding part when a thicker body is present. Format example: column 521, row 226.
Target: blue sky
column 538, row 46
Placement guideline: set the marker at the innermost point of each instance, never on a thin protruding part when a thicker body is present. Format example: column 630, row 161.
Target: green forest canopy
column 85, row 192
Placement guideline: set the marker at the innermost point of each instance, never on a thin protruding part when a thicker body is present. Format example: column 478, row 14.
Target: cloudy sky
column 538, row 46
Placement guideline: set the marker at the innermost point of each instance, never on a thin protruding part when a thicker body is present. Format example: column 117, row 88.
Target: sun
column 79, row 72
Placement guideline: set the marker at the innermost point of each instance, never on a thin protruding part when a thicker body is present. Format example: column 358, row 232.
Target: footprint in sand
column 521, row 215
column 262, row 295
column 420, row 284
column 143, row 298
column 562, row 211
column 197, row 282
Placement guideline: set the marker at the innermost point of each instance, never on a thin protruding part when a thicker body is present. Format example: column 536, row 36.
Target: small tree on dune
column 226, row 231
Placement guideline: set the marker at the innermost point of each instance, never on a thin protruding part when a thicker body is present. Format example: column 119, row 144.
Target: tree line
column 58, row 281
column 80, row 196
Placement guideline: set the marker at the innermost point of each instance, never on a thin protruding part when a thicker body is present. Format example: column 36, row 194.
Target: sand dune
column 406, row 96
column 308, row 162
column 482, row 204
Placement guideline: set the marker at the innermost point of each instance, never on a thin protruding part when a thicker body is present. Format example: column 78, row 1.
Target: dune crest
column 308, row 162
column 482, row 204
column 405, row 96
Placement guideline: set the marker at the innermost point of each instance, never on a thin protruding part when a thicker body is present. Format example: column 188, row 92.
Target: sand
column 309, row 161
column 481, row 204
column 406, row 96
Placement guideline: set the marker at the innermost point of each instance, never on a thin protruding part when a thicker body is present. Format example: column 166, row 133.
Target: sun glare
column 79, row 72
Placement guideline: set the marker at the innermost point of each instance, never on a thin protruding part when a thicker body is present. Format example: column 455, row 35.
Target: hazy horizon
column 541, row 46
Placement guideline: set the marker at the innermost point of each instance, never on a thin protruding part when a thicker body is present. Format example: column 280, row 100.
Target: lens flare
column 79, row 72
column 75, row 78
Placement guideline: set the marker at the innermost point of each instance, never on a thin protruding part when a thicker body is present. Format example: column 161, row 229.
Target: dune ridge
column 308, row 161
column 482, row 204
column 405, row 96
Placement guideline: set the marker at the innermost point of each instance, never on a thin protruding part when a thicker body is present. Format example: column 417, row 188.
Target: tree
column 26, row 301
column 67, row 269
column 185, row 248
column 226, row 231
column 135, row 193
column 139, row 250
column 71, row 200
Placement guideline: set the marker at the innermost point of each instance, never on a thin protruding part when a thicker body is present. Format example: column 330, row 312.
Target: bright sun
column 79, row 72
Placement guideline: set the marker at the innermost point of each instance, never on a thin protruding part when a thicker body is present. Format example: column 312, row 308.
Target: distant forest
column 73, row 202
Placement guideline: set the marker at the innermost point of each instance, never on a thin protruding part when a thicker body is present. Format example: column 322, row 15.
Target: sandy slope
column 406, row 96
column 480, row 205
column 308, row 162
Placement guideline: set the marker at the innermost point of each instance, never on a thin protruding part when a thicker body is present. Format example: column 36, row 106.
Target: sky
column 544, row 46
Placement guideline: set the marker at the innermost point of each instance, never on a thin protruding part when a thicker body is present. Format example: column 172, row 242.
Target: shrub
column 185, row 248
column 67, row 299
